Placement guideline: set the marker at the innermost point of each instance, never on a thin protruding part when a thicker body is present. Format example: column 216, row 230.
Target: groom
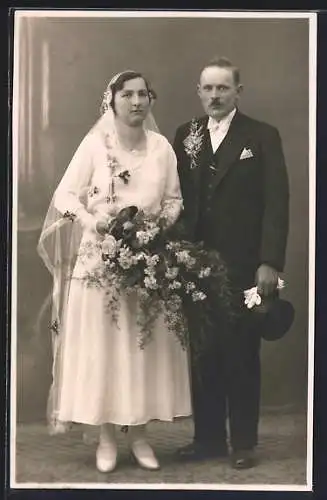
column 236, row 199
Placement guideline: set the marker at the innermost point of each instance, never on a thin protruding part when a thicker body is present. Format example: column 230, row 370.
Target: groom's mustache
column 215, row 102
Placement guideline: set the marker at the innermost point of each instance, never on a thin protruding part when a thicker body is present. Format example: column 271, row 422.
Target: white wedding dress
column 104, row 375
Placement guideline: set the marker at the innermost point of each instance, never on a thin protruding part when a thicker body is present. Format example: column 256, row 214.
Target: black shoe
column 196, row 451
column 243, row 459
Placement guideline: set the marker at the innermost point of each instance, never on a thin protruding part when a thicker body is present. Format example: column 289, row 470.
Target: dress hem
column 129, row 424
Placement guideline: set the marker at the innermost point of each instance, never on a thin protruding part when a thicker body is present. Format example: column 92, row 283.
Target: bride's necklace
column 139, row 147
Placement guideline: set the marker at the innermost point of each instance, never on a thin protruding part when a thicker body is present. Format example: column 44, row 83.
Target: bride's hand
column 128, row 227
column 102, row 227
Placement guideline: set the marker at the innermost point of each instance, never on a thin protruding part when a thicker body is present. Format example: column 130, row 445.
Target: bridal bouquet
column 167, row 274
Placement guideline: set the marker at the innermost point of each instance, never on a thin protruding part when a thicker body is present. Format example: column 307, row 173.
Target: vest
column 209, row 169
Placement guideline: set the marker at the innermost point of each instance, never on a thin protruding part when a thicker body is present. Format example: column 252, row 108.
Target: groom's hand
column 266, row 280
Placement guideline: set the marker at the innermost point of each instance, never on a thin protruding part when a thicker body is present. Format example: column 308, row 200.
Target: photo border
column 312, row 17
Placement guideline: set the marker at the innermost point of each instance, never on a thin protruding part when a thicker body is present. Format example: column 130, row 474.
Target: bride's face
column 132, row 102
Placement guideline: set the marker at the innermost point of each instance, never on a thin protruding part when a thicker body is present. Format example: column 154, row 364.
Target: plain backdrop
column 65, row 66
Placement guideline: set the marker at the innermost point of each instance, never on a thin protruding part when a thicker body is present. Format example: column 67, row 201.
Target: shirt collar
column 223, row 124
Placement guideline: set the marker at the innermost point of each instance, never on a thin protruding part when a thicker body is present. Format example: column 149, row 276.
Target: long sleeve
column 276, row 202
column 74, row 184
column 172, row 202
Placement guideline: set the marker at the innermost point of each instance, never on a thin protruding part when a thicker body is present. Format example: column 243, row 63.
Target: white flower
column 190, row 286
column 280, row 284
column 173, row 245
column 196, row 296
column 252, row 298
column 125, row 263
column 172, row 273
column 125, row 258
column 152, row 260
column 151, row 231
column 139, row 256
column 175, row 285
column 205, row 272
column 190, row 263
column 109, row 246
column 149, row 271
column 124, row 250
column 182, row 256
column 150, row 282
column 142, row 237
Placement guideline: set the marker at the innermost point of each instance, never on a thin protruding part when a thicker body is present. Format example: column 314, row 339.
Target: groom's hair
column 224, row 62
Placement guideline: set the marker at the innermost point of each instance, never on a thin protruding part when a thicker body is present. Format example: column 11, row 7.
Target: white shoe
column 106, row 457
column 144, row 455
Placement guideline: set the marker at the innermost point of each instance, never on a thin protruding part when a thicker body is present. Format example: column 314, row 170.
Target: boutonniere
column 193, row 142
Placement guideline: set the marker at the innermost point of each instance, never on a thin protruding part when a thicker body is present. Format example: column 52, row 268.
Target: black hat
column 274, row 317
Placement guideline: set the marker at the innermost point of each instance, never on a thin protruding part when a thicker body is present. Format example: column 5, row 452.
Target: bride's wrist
column 87, row 220
column 102, row 226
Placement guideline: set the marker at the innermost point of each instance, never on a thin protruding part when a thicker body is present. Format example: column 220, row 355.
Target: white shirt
column 218, row 130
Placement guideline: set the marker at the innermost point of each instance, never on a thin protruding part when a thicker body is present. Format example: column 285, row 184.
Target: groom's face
column 218, row 91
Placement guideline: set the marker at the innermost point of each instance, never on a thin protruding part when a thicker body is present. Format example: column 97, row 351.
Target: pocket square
column 246, row 153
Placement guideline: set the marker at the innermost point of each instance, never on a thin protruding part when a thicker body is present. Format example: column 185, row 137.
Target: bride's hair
column 118, row 85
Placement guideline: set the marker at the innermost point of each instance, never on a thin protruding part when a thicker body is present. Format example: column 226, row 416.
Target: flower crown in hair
column 107, row 96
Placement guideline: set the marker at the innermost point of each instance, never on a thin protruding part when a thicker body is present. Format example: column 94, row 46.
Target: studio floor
column 41, row 458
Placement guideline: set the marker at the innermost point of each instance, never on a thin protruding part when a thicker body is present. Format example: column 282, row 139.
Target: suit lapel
column 231, row 147
column 205, row 155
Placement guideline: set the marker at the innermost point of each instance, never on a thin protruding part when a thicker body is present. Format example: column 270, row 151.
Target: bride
column 101, row 377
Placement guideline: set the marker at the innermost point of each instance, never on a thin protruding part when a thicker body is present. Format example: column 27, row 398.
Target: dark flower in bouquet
column 170, row 276
column 122, row 226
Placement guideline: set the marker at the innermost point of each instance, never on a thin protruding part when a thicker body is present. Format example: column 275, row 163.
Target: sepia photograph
column 163, row 250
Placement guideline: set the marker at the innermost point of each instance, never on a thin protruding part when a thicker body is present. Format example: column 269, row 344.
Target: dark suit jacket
column 246, row 216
